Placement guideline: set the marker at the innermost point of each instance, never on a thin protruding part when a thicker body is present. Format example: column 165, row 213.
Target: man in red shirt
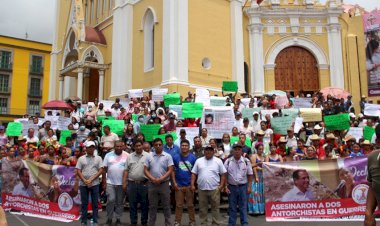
column 315, row 140
column 281, row 146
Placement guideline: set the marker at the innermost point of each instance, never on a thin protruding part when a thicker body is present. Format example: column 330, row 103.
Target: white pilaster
column 60, row 87
column 66, row 86
column 237, row 43
column 80, row 83
column 121, row 78
column 175, row 42
column 101, row 84
column 256, row 58
column 335, row 52
column 53, row 56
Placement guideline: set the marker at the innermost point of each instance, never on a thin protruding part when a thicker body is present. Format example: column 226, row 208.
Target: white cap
column 318, row 127
column 90, row 143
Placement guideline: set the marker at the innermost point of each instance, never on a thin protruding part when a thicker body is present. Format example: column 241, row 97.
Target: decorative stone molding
column 93, row 52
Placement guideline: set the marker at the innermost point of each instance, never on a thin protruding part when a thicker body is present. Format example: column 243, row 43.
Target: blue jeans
column 84, row 194
column 138, row 193
column 238, row 197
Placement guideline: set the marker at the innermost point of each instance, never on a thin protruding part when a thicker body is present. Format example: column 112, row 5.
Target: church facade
column 103, row 48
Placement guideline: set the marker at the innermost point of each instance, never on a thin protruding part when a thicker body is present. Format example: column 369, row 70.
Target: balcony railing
column 36, row 70
column 6, row 66
column 35, row 93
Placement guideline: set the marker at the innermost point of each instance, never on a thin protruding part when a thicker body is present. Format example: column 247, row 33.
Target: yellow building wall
column 22, row 50
column 209, row 36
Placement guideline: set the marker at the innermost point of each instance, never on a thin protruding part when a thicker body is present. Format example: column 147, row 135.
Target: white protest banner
column 202, row 96
column 158, row 94
column 372, row 110
column 302, row 103
column 281, row 101
column 298, row 124
column 135, row 93
column 53, row 120
column 248, row 113
column 41, row 121
column 191, row 132
column 63, row 123
column 311, row 114
column 218, row 101
column 356, row 132
column 107, row 104
column 29, row 125
column 177, row 109
column 219, row 120
column 267, row 112
column 245, row 101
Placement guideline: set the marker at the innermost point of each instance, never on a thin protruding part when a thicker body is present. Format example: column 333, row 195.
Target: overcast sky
column 36, row 17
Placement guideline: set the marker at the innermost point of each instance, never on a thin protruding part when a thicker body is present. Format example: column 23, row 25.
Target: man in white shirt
column 108, row 140
column 238, row 120
column 291, row 139
column 255, row 124
column 23, row 187
column 31, row 138
column 300, row 191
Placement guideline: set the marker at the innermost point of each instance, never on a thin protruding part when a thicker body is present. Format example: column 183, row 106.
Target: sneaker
column 176, row 224
column 108, row 222
column 118, row 222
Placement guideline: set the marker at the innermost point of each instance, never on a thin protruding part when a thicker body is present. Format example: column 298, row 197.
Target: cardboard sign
column 311, row 114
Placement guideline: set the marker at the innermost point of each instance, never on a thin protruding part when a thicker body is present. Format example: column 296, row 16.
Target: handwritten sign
column 192, row 110
column 191, row 132
column 63, row 123
column 177, row 109
column 14, row 129
column 281, row 124
column 116, row 126
column 372, row 110
column 172, row 99
column 293, row 112
column 203, row 96
column 356, row 132
column 135, row 93
column 302, row 103
column 337, row 122
column 298, row 124
column 248, row 113
column 368, row 133
column 149, row 130
column 162, row 137
column 311, row 114
column 218, row 101
column 158, row 94
column 103, row 117
column 267, row 112
column 63, row 136
column 230, row 86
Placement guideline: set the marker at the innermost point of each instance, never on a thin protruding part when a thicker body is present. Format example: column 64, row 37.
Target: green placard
column 14, row 129
column 192, row 110
column 293, row 112
column 172, row 99
column 234, row 139
column 337, row 122
column 63, row 136
column 368, row 133
column 135, row 117
column 281, row 124
column 116, row 126
column 102, row 118
column 162, row 136
column 149, row 130
column 248, row 113
column 230, row 86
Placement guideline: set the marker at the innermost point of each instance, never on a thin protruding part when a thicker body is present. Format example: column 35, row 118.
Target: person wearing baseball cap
column 89, row 167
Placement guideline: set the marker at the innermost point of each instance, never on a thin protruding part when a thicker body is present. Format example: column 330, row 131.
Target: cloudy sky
column 36, row 17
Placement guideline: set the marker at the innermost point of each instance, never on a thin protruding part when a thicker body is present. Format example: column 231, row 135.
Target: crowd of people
column 156, row 172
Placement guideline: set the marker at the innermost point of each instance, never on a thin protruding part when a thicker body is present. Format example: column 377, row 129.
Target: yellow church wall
column 107, row 56
column 153, row 77
column 247, row 59
column 209, row 36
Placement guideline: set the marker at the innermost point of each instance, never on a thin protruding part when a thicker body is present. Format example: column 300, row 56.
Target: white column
column 121, row 78
column 101, row 84
column 335, row 53
column 53, row 56
column 60, row 87
column 237, row 43
column 256, row 59
column 66, row 86
column 80, row 83
column 175, row 42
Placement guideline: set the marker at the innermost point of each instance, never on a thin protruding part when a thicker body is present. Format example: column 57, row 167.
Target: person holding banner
column 239, row 179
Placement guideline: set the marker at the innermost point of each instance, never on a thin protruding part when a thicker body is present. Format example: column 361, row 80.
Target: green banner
column 14, row 129
column 149, row 130
column 248, row 113
column 116, row 126
column 230, row 86
column 234, row 139
column 281, row 124
column 135, row 117
column 172, row 99
column 103, row 117
column 162, row 136
column 337, row 122
column 63, row 136
column 293, row 112
column 192, row 110
column 368, row 133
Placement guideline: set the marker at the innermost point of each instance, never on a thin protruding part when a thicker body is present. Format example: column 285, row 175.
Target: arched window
column 148, row 40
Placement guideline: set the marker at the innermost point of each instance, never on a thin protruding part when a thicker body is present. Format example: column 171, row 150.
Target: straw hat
column 282, row 140
column 290, row 129
column 366, row 142
column 330, row 136
column 260, row 132
column 20, row 138
column 317, row 127
column 314, row 137
column 349, row 137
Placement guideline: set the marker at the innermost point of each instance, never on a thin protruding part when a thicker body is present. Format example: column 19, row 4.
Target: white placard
column 191, row 132
column 63, row 123
column 298, row 124
column 245, row 101
column 222, row 120
column 356, row 132
column 302, row 103
column 177, row 109
column 158, row 94
column 203, row 96
column 135, row 93
column 27, row 126
column 218, row 101
column 372, row 110
column 53, row 120
column 267, row 112
column 107, row 104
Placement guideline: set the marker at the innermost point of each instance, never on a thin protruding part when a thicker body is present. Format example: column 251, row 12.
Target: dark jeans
column 84, row 193
column 138, row 193
column 156, row 193
column 238, row 197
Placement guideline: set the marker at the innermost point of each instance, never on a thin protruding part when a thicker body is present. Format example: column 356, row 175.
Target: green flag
column 14, row 129
column 103, row 117
column 63, row 136
column 149, row 130
column 172, row 99
column 116, row 126
column 162, row 137
column 368, row 133
column 337, row 122
column 230, row 86
column 192, row 110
